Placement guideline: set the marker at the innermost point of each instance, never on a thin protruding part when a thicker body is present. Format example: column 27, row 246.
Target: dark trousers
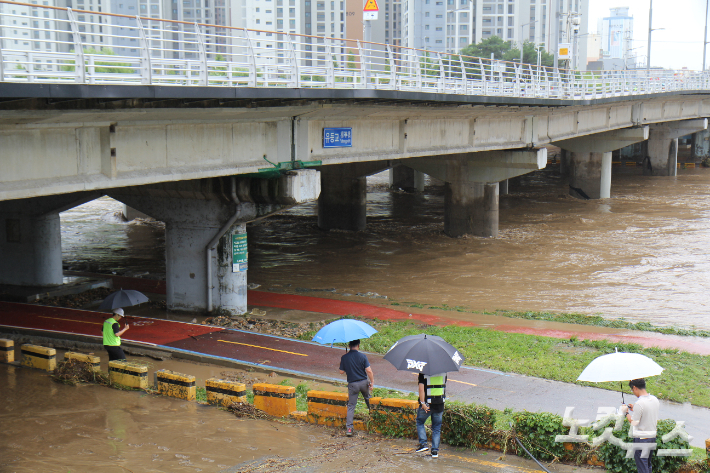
column 643, row 465
column 115, row 353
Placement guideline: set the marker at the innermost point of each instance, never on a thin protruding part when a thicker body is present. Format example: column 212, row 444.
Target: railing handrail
column 355, row 63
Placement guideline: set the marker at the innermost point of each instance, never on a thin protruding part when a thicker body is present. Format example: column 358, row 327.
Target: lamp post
column 522, row 42
column 705, row 41
column 468, row 10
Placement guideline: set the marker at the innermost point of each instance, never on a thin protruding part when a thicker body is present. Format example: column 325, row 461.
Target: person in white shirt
column 643, row 417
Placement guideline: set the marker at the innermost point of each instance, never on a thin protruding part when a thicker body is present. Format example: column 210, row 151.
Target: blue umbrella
column 343, row 331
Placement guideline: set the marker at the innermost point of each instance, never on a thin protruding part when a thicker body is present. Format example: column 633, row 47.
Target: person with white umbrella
column 643, row 417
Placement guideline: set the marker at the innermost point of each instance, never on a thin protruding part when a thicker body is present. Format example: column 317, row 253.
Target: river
column 640, row 255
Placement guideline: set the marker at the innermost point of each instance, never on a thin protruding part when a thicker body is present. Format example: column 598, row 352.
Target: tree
column 502, row 50
column 529, row 55
column 493, row 45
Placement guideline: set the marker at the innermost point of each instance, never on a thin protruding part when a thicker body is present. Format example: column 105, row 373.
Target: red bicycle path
column 340, row 308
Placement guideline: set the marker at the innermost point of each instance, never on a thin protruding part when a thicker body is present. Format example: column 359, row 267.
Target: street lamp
column 468, row 10
column 705, row 42
column 650, row 30
column 522, row 43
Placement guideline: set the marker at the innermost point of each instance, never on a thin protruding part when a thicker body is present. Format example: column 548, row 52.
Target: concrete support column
column 564, row 162
column 129, row 213
column 590, row 175
column 31, row 241
column 503, row 187
column 342, row 204
column 30, row 249
column 471, row 208
column 407, row 179
column 662, row 159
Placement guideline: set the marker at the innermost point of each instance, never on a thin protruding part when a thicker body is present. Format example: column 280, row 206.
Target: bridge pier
column 31, row 240
column 203, row 272
column 662, row 156
column 342, row 204
column 471, row 198
column 587, row 160
column 406, row 179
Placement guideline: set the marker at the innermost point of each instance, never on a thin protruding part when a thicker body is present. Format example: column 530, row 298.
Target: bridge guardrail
column 43, row 44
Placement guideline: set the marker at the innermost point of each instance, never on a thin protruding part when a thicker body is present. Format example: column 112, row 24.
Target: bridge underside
column 185, row 161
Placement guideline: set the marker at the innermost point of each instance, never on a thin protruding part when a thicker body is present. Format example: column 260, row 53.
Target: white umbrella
column 620, row 366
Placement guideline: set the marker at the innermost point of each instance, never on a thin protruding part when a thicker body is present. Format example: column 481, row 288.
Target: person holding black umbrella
column 112, row 336
column 432, row 394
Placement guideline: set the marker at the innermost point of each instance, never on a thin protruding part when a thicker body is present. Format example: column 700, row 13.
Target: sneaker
column 422, row 448
column 435, row 453
column 349, row 433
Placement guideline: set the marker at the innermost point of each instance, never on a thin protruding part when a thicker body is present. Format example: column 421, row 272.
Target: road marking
column 490, row 463
column 463, row 382
column 70, row 320
column 264, row 348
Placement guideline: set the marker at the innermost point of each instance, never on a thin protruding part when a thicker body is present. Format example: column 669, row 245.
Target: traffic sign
column 371, row 5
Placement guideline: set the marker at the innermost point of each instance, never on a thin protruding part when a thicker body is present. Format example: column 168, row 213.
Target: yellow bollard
column 224, row 392
column 275, row 400
column 7, row 350
column 94, row 361
column 128, row 373
column 35, row 356
column 181, row 386
column 327, row 408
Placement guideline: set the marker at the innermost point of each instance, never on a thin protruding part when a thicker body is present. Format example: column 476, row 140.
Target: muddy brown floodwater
column 641, row 255
column 49, row 427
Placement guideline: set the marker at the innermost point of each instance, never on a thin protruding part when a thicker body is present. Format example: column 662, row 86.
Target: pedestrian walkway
column 313, row 361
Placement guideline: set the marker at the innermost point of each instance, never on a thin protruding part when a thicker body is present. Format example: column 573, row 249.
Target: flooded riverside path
column 50, row 427
column 641, row 255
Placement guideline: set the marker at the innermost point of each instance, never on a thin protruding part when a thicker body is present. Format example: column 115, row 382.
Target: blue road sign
column 337, row 137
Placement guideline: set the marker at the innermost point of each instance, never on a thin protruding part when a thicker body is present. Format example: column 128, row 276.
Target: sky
column 679, row 45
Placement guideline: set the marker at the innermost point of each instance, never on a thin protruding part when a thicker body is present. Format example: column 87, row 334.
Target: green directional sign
column 240, row 254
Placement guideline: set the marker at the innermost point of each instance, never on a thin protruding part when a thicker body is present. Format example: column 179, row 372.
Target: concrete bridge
column 208, row 153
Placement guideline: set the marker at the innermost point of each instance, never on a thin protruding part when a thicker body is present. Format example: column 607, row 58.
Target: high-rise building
column 451, row 25
column 617, row 30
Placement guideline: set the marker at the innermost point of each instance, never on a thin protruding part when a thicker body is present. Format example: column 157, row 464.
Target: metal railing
column 41, row 44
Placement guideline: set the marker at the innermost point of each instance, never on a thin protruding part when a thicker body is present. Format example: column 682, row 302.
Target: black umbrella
column 123, row 298
column 427, row 354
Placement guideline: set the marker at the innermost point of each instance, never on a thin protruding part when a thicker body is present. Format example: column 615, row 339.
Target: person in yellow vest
column 432, row 394
column 112, row 336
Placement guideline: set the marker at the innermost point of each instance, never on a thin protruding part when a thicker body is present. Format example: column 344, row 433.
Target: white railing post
column 393, row 68
column 202, row 52
column 79, row 63
column 296, row 82
column 419, row 70
column 463, row 75
column 146, row 67
column 441, row 86
column 363, row 65
column 251, row 59
column 330, row 66
column 483, row 76
column 2, row 67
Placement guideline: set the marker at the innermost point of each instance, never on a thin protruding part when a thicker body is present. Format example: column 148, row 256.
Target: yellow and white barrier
column 181, row 386
column 225, row 392
column 7, row 350
column 35, row 356
column 328, row 408
column 94, row 361
column 128, row 373
column 275, row 400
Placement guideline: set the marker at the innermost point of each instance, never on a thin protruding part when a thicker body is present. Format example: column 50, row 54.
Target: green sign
column 239, row 252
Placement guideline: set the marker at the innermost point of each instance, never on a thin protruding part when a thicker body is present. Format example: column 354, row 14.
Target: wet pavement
column 314, row 361
column 51, row 427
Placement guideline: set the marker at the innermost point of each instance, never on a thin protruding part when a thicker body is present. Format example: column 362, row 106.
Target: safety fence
column 43, row 44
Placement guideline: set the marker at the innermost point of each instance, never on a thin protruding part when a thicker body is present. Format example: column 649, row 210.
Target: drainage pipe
column 213, row 242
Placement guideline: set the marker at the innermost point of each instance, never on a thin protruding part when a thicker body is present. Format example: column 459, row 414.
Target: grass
column 568, row 318
column 684, row 379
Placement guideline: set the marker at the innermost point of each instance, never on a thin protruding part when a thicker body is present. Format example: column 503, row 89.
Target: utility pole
column 705, row 42
column 556, row 30
column 650, row 29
